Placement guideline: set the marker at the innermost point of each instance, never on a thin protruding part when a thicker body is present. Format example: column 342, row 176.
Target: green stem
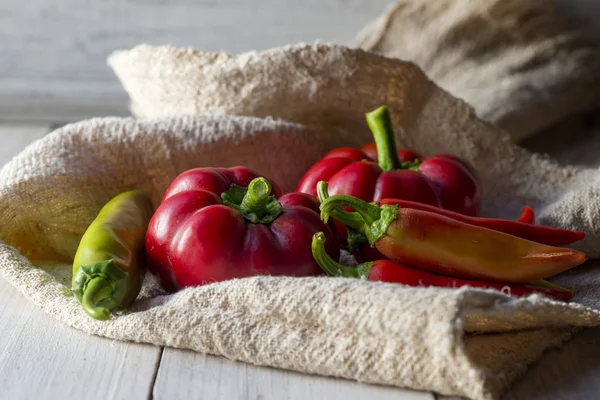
column 98, row 291
column 255, row 202
column 369, row 212
column 330, row 266
column 100, row 287
column 350, row 219
column 257, row 197
column 377, row 219
column 380, row 123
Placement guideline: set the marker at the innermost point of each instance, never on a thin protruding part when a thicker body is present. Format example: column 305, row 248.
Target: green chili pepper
column 109, row 264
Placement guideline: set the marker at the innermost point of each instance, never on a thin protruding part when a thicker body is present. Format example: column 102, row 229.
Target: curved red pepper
column 378, row 171
column 388, row 271
column 524, row 228
column 215, row 224
column 439, row 244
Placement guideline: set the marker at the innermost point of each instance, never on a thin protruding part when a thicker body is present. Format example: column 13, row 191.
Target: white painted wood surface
column 187, row 375
column 54, row 53
column 53, row 62
column 41, row 358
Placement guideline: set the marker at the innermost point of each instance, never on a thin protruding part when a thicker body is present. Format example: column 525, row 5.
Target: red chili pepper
column 439, row 244
column 442, row 180
column 528, row 216
column 526, row 230
column 219, row 224
column 388, row 271
column 358, row 245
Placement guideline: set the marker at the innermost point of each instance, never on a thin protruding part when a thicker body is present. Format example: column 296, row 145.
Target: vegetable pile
column 406, row 219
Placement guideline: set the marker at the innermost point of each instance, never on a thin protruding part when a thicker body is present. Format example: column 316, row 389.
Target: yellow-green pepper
column 109, row 264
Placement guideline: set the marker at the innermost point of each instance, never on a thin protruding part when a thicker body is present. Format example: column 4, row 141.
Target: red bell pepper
column 215, row 224
column 443, row 180
column 388, row 271
column 439, row 244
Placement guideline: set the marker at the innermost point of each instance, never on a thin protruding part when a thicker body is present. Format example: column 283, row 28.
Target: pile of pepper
column 407, row 219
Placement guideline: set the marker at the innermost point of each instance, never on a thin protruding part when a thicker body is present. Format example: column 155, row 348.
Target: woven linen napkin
column 520, row 63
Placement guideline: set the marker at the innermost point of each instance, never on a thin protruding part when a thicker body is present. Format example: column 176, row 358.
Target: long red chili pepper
column 440, row 244
column 388, row 271
column 523, row 229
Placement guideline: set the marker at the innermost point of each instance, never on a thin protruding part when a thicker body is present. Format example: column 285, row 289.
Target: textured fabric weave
column 519, row 62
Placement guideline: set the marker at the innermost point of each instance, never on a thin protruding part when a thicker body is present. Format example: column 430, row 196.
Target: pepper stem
column 350, row 219
column 98, row 291
column 333, row 268
column 380, row 123
column 255, row 203
column 377, row 219
column 100, row 287
column 257, row 197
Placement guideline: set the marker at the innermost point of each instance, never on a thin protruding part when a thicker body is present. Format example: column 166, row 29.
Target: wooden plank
column 55, row 53
column 16, row 136
column 188, row 375
column 41, row 358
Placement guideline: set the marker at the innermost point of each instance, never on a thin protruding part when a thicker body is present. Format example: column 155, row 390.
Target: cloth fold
column 520, row 63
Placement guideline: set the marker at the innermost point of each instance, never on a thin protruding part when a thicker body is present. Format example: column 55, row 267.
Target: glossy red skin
column 193, row 239
column 444, row 180
column 455, row 180
column 456, row 187
column 404, row 155
column 388, row 271
column 349, row 171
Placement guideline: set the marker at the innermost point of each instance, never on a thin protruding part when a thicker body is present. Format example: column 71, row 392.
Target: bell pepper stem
column 380, row 123
column 333, row 268
column 257, row 197
column 377, row 219
column 350, row 219
column 100, row 287
column 255, row 203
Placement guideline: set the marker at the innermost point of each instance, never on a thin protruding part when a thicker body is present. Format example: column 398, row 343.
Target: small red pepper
column 442, row 180
column 388, row 271
column 528, row 216
column 215, row 224
column 442, row 245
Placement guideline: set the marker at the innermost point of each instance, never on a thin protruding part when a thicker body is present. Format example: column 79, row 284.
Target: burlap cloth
column 464, row 342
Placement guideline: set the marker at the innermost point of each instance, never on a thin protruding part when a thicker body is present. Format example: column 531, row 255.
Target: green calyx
column 100, row 287
column 255, row 202
column 333, row 268
column 374, row 221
